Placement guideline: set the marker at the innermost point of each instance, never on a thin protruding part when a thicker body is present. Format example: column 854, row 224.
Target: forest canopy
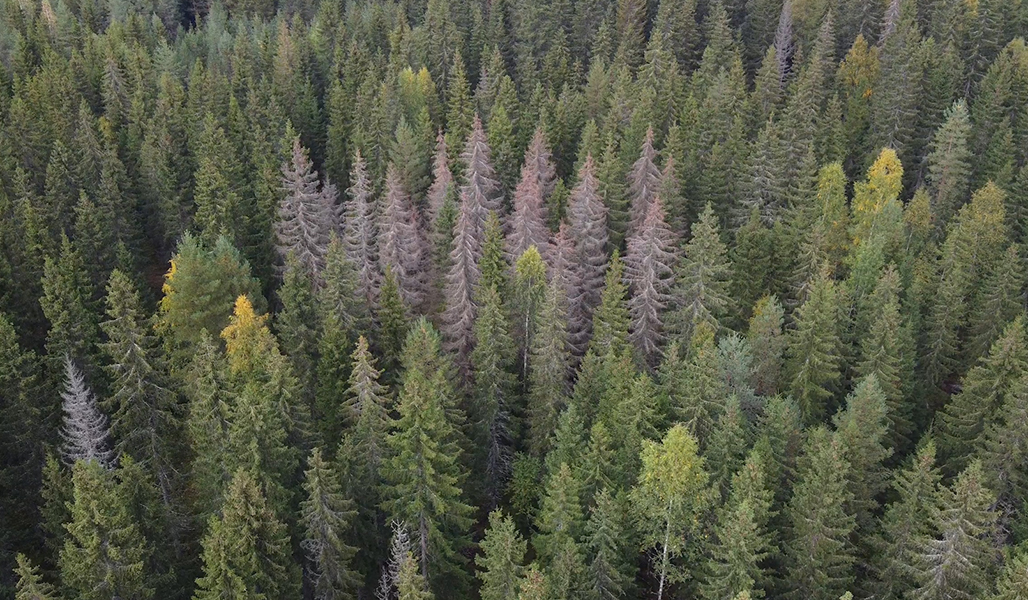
column 513, row 299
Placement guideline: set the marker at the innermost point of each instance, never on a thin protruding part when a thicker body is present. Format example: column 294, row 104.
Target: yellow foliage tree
column 877, row 210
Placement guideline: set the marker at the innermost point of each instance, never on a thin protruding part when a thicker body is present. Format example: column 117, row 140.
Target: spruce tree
column 1012, row 583
column 540, row 159
column 649, row 261
column 755, row 264
column 862, row 430
column 305, row 213
column 560, row 518
column 504, row 146
column 697, row 404
column 643, row 183
column 266, row 427
column 442, row 179
column 611, row 317
column 401, row 247
column 246, row 550
column 410, row 153
column 588, row 232
column 68, row 303
column 1001, row 301
column 493, row 262
column 528, row 218
column 549, row 365
column 608, row 542
column 598, row 468
column 565, row 575
column 957, row 559
column 882, row 355
column 105, row 555
column 1003, row 450
column 410, row 582
column 533, row 585
column 727, row 444
column 814, row 350
column 818, row 555
column 207, row 423
column 767, row 343
column 459, row 104
column 30, row 584
column 326, row 515
column 85, row 433
column 25, row 424
column 297, row 323
column 503, row 552
column 905, row 523
column 481, row 190
column 141, row 404
column 736, row 367
column 463, row 276
column 364, row 445
column 217, row 192
column 360, row 230
column 493, row 394
column 963, row 420
column 949, row 162
column 428, row 496
column 392, row 322
column 341, row 315
column 745, row 541
column 701, row 292
column 735, row 568
column 974, row 240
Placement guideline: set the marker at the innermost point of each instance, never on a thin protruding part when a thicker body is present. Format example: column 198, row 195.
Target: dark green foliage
column 906, row 522
column 326, row 515
column 548, row 375
column 814, row 350
column 963, row 421
column 493, row 400
column 246, row 548
column 364, row 445
column 69, row 303
column 201, row 287
column 503, row 551
column 560, row 519
column 703, row 278
column 611, row 319
column 30, row 583
column 143, row 409
column 699, row 400
column 429, row 496
column 21, row 430
column 105, row 553
column 820, row 207
column 958, row 558
column 743, row 541
column 296, row 324
column 819, row 557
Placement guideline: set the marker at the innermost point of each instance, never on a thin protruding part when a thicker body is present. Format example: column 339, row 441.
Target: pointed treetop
column 528, row 221
column 648, row 270
column 85, row 432
column 360, row 231
column 442, row 178
column 643, row 181
column 539, row 158
column 785, row 43
column 305, row 219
